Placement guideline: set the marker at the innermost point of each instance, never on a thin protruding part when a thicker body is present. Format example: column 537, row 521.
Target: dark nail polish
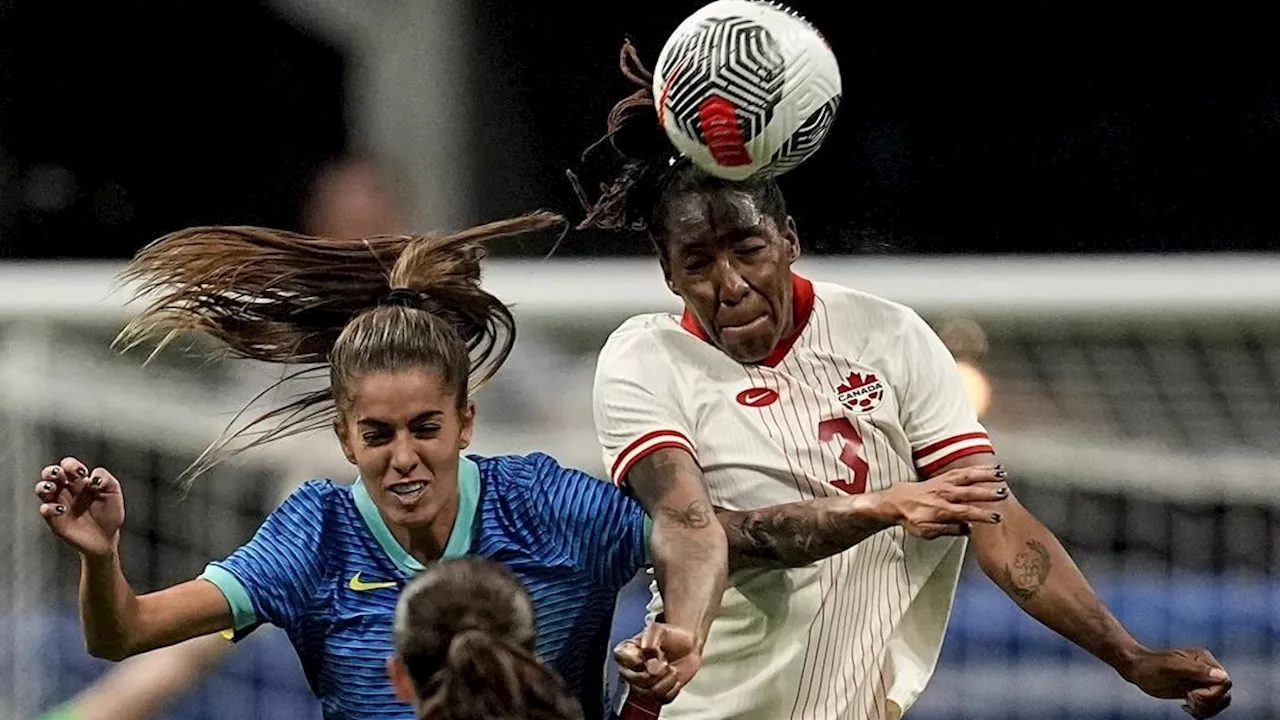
column 48, row 487
column 95, row 481
column 1000, row 473
column 60, row 509
column 53, row 472
column 995, row 517
column 1000, row 466
column 1002, row 492
column 81, row 472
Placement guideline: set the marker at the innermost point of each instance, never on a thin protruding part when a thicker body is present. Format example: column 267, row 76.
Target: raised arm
column 86, row 509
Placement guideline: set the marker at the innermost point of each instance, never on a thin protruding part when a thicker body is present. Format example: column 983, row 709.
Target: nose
column 731, row 288
column 403, row 459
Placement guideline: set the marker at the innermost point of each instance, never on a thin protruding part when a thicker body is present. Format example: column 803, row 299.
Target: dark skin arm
column 800, row 533
column 1028, row 562
column 689, row 549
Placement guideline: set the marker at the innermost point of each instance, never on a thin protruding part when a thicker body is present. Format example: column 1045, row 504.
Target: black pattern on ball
column 805, row 140
column 734, row 58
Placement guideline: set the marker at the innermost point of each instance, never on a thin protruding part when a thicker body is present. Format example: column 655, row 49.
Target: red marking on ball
column 666, row 90
column 720, row 128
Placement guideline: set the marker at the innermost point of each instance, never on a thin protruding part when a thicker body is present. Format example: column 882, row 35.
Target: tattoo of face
column 695, row 515
column 1029, row 571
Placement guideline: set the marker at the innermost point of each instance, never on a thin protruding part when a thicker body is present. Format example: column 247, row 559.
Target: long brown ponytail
column 283, row 297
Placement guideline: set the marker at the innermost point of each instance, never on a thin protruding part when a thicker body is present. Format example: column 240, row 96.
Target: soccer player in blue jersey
column 464, row 639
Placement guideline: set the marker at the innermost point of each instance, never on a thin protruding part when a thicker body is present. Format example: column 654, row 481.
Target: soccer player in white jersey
column 772, row 389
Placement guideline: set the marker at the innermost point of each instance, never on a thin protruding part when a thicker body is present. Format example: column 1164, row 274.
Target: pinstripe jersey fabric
column 325, row 568
column 861, row 396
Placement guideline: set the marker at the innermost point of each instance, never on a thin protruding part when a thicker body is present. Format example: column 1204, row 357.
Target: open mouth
column 408, row 490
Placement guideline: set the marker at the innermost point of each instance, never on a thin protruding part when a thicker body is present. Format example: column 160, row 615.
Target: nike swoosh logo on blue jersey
column 360, row 586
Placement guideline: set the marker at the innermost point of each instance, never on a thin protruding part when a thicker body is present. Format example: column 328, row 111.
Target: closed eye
column 695, row 263
column 376, row 437
column 426, row 432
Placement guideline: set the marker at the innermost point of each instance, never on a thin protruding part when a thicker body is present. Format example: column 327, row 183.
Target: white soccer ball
column 745, row 87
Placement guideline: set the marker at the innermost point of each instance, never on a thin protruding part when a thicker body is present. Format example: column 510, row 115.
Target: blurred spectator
column 353, row 196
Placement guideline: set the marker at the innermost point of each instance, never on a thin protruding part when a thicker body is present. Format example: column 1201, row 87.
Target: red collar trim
column 801, row 311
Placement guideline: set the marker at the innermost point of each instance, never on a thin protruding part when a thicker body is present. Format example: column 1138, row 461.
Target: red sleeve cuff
column 644, row 445
column 935, row 456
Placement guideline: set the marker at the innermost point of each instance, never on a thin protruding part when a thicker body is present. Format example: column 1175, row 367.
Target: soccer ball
column 746, row 87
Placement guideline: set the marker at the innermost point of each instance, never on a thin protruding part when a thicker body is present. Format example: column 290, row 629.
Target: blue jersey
column 326, row 568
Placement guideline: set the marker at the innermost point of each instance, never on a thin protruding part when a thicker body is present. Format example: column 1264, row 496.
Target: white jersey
column 862, row 396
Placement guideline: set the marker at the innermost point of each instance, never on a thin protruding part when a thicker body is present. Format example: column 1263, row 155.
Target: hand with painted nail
column 944, row 504
column 1193, row 676
column 84, row 508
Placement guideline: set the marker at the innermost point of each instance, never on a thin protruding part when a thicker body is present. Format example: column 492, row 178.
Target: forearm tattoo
column 793, row 535
column 1029, row 571
column 695, row 516
column 653, row 480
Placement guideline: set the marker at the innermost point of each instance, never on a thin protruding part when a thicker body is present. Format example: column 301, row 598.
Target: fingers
column 52, row 511
column 651, row 638
column 952, row 513
column 931, row 530
column 645, row 673
column 1202, row 670
column 668, row 686
column 972, row 475
column 73, row 471
column 629, row 656
column 675, row 642
column 978, row 493
column 950, row 520
column 68, row 475
column 650, row 645
column 71, row 483
column 1215, row 672
column 100, row 482
column 48, row 491
column 1207, row 702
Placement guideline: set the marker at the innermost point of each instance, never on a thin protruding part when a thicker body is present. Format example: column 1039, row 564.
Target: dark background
column 958, row 133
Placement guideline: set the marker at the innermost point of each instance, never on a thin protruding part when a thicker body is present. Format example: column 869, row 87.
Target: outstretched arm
column 801, row 533
column 689, row 548
column 86, row 509
column 1028, row 562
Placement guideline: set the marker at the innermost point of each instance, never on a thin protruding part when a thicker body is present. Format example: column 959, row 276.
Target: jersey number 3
column 850, row 452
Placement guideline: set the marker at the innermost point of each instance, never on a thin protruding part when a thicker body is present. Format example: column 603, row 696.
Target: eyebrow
column 420, row 417
column 744, row 233
column 733, row 236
